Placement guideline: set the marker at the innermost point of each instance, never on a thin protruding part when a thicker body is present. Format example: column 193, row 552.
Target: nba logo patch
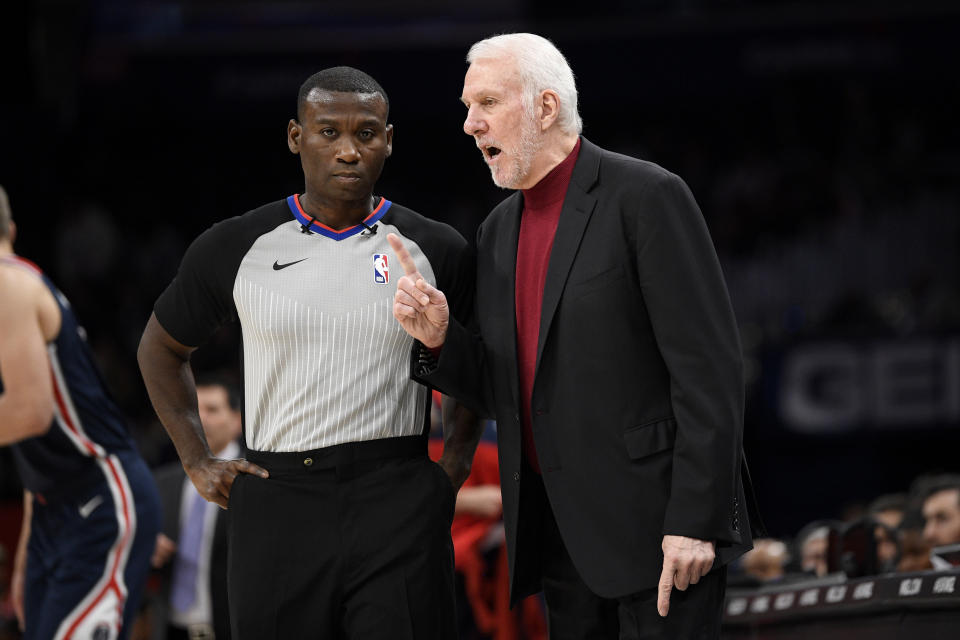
column 381, row 274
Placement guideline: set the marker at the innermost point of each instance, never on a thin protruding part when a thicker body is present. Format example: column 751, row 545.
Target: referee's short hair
column 6, row 216
column 346, row 79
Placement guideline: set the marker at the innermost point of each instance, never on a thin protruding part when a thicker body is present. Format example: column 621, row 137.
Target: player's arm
column 165, row 366
column 26, row 404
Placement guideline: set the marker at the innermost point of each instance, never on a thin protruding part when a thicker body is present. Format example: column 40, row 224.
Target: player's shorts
column 89, row 554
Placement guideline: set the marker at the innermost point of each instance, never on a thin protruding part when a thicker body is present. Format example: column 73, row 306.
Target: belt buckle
column 200, row 632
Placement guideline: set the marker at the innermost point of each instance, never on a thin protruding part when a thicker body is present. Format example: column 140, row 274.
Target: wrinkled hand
column 163, row 550
column 214, row 477
column 685, row 561
column 419, row 307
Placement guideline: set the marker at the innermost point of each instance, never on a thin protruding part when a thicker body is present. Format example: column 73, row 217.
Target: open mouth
column 491, row 152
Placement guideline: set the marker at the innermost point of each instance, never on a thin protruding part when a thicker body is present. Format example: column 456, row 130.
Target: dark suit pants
column 576, row 613
column 351, row 541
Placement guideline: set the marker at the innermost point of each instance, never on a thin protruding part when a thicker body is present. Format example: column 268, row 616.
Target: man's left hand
column 685, row 561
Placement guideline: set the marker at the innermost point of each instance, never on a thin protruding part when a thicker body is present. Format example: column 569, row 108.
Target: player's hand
column 163, row 550
column 419, row 307
column 685, row 561
column 214, row 477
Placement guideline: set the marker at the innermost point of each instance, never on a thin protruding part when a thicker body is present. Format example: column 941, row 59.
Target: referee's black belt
column 346, row 460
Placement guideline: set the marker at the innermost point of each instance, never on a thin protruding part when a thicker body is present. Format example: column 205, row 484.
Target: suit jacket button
column 516, row 476
column 307, row 462
column 516, row 417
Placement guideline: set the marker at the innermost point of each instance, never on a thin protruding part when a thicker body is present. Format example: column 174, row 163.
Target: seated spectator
column 887, row 511
column 813, row 543
column 941, row 511
column 480, row 560
column 767, row 560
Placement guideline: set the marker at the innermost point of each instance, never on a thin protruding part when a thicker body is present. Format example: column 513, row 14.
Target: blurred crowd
column 916, row 530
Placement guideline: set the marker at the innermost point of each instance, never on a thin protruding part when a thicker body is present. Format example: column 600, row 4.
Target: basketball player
column 91, row 511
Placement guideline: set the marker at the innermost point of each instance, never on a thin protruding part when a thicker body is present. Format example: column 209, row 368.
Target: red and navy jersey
column 87, row 424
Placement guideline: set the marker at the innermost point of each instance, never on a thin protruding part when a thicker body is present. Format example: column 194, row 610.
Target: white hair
column 541, row 66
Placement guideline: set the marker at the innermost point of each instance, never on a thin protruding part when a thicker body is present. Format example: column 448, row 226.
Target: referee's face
column 343, row 140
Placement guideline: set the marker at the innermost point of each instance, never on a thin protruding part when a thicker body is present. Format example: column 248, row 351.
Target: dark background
column 820, row 139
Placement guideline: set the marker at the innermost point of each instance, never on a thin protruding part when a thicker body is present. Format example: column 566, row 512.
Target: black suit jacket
column 170, row 480
column 637, row 403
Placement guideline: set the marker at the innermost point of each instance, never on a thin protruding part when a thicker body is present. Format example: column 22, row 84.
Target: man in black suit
column 607, row 350
column 192, row 546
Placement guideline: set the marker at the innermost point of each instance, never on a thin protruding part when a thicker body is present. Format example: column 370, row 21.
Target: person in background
column 888, row 511
column 192, row 546
column 941, row 511
column 91, row 511
column 767, row 561
column 813, row 543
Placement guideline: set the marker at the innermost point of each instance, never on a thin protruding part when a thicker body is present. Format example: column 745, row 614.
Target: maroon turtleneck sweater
column 538, row 225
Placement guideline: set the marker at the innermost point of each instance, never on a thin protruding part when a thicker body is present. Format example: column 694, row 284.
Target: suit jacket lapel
column 507, row 238
column 578, row 206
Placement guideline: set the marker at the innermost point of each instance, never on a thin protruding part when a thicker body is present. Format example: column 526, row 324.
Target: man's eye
column 489, row 102
column 366, row 134
column 328, row 132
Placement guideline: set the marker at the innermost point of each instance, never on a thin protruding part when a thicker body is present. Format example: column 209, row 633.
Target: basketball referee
column 339, row 523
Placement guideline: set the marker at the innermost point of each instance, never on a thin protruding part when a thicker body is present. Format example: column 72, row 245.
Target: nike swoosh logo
column 86, row 509
column 277, row 266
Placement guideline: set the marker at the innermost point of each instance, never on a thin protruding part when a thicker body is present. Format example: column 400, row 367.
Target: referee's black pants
column 574, row 612
column 351, row 541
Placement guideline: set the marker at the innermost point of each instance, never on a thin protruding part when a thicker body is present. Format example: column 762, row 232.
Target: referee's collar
column 310, row 224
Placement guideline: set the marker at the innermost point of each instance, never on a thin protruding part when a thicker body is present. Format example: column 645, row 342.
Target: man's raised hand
column 420, row 308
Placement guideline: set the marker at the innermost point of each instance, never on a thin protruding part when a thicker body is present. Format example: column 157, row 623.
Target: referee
column 339, row 523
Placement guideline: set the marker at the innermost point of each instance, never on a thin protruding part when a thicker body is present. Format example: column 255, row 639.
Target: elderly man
column 607, row 349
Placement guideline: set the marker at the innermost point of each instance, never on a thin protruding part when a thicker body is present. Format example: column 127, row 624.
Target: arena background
column 820, row 139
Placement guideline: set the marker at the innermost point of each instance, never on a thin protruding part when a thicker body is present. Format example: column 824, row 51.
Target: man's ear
column 293, row 135
column 548, row 108
column 389, row 140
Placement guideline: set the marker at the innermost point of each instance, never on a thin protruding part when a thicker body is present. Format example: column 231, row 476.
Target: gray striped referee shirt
column 324, row 360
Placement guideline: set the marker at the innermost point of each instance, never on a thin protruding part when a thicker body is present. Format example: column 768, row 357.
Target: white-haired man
column 607, row 349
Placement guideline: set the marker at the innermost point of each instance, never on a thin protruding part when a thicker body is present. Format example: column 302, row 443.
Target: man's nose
column 347, row 151
column 474, row 125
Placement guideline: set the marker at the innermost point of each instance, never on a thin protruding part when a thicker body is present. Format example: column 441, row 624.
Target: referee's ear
column 293, row 135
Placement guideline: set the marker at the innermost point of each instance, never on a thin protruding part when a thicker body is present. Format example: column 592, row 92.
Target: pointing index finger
column 406, row 260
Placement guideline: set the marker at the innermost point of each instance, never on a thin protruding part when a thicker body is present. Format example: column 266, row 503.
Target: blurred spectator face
column 885, row 536
column 813, row 553
column 890, row 517
column 941, row 512
column 766, row 560
column 914, row 552
column 221, row 423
